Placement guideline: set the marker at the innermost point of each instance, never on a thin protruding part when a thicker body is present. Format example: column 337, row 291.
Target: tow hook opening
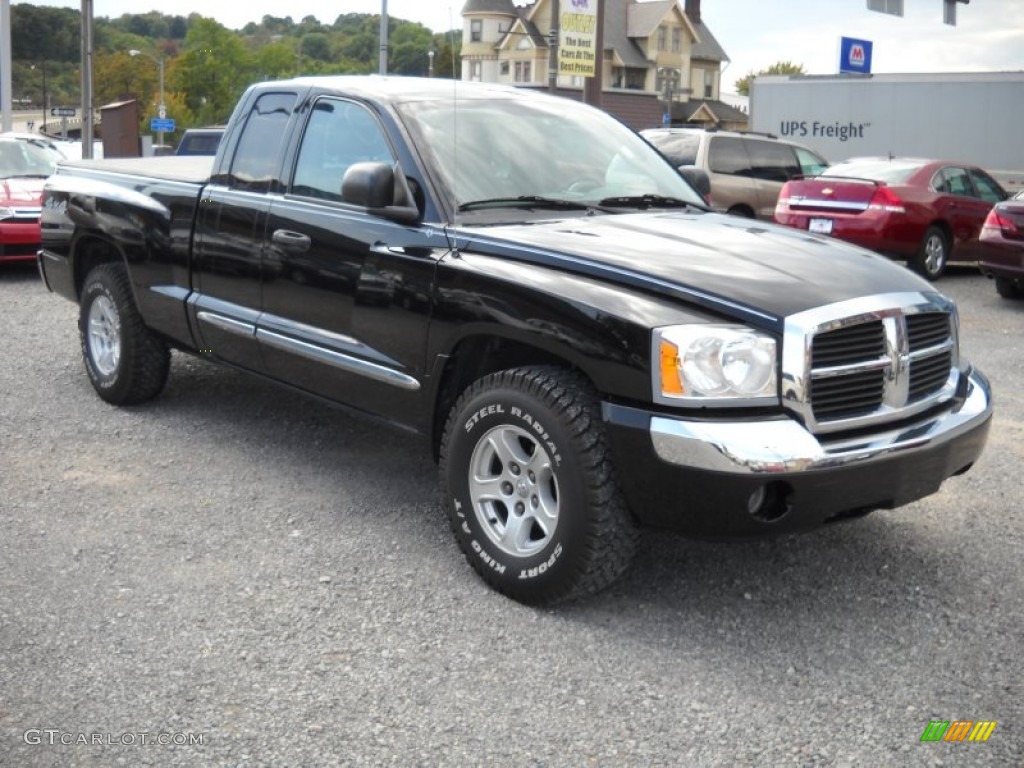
column 770, row 502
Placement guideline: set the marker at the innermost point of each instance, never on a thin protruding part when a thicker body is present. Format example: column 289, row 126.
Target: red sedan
column 24, row 166
column 928, row 212
column 1003, row 232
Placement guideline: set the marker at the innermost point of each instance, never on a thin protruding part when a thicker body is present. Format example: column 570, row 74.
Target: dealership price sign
column 577, row 38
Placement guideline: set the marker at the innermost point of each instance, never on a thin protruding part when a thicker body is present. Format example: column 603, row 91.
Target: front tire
column 126, row 362
column 932, row 254
column 531, row 492
column 1009, row 288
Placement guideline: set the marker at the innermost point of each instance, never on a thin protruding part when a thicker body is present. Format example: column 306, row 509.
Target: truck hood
column 738, row 267
column 21, row 192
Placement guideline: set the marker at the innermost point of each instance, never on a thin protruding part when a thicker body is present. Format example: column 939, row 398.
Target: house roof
column 504, row 7
column 708, row 47
column 644, row 18
column 695, row 109
column 523, row 26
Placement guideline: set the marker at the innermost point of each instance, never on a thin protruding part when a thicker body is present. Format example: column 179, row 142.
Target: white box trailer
column 974, row 117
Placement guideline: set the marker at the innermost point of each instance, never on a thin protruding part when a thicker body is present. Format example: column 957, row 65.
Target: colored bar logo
column 958, row 730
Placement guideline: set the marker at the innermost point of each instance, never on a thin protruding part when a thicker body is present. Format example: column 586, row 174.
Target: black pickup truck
column 527, row 284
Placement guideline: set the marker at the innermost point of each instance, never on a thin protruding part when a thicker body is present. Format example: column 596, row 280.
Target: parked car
column 200, row 141
column 24, row 166
column 747, row 170
column 1003, row 233
column 927, row 212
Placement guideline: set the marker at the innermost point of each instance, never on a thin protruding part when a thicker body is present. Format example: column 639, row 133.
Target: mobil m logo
column 958, row 730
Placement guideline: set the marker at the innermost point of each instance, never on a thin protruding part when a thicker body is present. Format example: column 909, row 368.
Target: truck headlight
column 6, row 213
column 714, row 365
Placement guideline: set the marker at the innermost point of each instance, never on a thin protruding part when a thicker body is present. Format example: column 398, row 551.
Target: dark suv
column 747, row 170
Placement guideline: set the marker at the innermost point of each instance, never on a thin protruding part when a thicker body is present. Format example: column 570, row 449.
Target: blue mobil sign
column 854, row 56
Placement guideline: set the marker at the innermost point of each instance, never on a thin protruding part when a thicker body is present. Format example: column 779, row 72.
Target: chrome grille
column 870, row 361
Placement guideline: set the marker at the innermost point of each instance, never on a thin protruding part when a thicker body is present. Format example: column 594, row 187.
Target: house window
column 709, row 84
column 662, row 38
column 476, row 70
column 522, row 72
column 677, row 39
column 476, row 30
column 504, row 68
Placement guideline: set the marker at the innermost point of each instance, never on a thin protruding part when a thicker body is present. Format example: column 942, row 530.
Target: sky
column 754, row 33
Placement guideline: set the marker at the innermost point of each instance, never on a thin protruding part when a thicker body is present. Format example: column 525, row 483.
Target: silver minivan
column 747, row 170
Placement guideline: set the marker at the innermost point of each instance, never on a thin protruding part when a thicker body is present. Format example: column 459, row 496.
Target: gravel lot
column 243, row 566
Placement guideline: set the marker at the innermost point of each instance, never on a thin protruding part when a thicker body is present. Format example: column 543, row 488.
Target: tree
column 213, row 70
column 742, row 85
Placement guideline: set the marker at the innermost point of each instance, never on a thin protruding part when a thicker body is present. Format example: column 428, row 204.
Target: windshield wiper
column 648, row 201
column 526, row 201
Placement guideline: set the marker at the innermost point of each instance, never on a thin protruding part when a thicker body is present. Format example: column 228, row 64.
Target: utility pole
column 6, row 100
column 383, row 37
column 593, row 87
column 87, row 124
column 553, row 47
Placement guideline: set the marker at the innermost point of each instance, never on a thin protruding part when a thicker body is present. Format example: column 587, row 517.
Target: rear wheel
column 125, row 361
column 932, row 254
column 742, row 211
column 531, row 493
column 1009, row 288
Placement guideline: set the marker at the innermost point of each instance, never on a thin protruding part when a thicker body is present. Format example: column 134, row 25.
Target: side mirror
column 377, row 187
column 698, row 179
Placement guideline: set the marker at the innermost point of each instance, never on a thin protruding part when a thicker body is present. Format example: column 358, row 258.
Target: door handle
column 291, row 241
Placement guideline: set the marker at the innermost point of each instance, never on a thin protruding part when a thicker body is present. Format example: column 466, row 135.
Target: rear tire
column 1009, row 288
column 531, row 492
column 932, row 255
column 126, row 362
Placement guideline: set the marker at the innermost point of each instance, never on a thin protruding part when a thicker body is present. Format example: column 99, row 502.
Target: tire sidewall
column 97, row 286
column 552, row 570
column 934, row 232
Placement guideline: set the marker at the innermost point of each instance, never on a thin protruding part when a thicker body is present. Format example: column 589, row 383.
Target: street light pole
column 42, row 125
column 430, row 67
column 162, row 108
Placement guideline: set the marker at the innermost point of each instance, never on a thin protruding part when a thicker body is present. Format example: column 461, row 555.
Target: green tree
column 779, row 68
column 213, row 70
column 276, row 60
column 315, row 45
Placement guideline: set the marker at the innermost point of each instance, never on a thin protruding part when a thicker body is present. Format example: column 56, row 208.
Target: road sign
column 854, row 56
column 62, row 111
column 165, row 124
column 162, row 112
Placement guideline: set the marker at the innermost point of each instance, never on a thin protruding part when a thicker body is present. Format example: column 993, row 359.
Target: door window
column 257, row 161
column 728, row 155
column 954, row 181
column 811, row 164
column 339, row 134
column 986, row 187
column 771, row 161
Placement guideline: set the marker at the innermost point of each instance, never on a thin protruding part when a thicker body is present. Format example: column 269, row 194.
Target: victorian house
column 660, row 61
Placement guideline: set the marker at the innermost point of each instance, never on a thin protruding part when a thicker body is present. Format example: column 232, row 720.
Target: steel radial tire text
column 125, row 361
column 531, row 492
column 933, row 254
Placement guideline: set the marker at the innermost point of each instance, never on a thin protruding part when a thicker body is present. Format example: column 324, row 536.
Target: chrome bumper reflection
column 782, row 445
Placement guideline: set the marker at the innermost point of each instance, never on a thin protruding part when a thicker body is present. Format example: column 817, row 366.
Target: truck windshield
column 499, row 148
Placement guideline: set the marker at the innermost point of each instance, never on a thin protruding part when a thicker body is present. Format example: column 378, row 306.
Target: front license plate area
column 820, row 226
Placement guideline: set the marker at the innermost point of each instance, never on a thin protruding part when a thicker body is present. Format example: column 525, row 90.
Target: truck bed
column 194, row 169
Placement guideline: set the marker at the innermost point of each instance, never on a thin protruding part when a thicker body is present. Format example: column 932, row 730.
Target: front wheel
column 932, row 254
column 126, row 363
column 1009, row 288
column 531, row 492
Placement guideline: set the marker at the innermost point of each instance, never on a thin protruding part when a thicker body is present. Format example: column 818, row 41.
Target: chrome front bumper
column 783, row 445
